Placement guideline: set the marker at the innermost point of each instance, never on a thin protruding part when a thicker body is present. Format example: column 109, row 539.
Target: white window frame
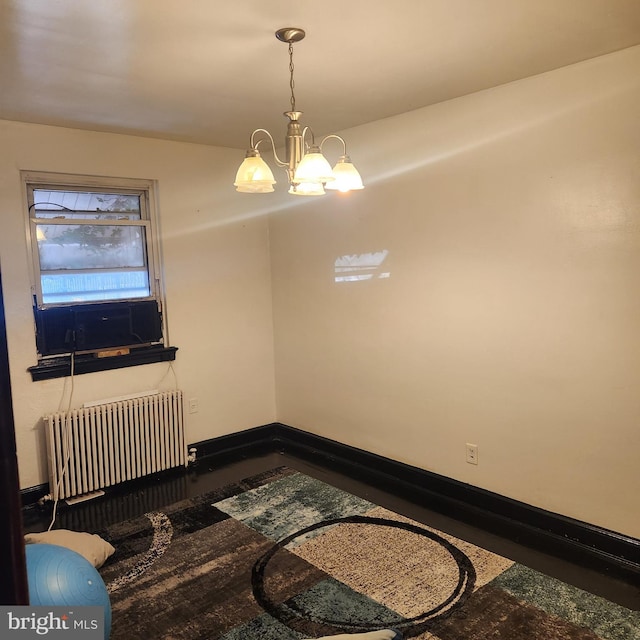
column 95, row 184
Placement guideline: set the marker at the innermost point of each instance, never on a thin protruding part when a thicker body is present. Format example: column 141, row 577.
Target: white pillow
column 92, row 547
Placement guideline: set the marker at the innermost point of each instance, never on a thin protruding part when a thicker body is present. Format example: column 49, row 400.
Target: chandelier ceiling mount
column 290, row 34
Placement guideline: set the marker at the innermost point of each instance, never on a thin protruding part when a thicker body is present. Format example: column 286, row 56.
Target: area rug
column 282, row 556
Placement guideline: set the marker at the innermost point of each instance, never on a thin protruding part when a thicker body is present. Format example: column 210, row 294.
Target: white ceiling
column 211, row 72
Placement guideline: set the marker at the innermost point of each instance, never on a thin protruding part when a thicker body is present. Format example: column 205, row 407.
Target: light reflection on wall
column 365, row 266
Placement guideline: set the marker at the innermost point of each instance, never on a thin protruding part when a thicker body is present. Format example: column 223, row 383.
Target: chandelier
column 308, row 171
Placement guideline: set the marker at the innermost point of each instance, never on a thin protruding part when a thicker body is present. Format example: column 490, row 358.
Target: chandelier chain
column 292, row 84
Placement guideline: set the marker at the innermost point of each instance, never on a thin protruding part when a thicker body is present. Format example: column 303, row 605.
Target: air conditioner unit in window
column 92, row 327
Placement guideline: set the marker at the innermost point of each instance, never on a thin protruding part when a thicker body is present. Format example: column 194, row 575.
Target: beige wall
column 216, row 274
column 511, row 315
column 509, row 319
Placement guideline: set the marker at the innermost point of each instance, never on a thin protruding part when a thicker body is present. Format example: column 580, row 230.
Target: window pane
column 90, row 287
column 84, row 215
column 78, row 204
column 86, row 246
column 91, row 243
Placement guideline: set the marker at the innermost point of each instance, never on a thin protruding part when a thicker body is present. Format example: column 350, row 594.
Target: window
column 96, row 278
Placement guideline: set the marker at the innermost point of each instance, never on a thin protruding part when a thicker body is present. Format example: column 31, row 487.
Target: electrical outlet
column 472, row 453
column 193, row 405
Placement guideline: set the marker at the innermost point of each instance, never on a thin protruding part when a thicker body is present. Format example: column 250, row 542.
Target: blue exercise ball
column 60, row 577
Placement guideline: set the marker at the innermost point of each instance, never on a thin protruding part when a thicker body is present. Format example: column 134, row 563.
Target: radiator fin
column 100, row 446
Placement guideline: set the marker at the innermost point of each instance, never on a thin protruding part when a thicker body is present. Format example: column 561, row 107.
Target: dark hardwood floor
column 137, row 498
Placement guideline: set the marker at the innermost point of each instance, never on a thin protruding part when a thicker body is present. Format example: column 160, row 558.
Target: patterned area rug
column 282, row 556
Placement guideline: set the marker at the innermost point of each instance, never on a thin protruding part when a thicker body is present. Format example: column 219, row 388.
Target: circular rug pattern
column 340, row 545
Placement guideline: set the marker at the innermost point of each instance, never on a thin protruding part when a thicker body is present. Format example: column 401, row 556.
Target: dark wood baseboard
column 552, row 533
column 579, row 542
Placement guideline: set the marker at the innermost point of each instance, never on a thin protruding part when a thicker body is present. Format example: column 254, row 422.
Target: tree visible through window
column 90, row 246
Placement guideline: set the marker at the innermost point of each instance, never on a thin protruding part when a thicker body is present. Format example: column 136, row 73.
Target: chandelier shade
column 307, row 189
column 313, row 167
column 308, row 171
column 254, row 176
column 346, row 176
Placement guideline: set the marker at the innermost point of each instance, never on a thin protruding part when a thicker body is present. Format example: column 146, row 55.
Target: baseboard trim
column 241, row 444
column 31, row 495
column 551, row 533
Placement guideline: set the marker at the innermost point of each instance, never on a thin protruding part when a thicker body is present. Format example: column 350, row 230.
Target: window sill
column 60, row 367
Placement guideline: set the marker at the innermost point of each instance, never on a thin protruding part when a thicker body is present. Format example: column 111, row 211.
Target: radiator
column 102, row 445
